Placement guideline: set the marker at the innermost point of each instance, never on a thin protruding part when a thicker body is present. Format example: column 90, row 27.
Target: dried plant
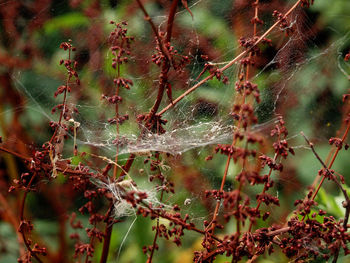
column 238, row 224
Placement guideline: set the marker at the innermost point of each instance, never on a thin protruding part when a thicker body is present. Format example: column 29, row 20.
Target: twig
column 171, row 17
column 12, row 220
column 278, row 231
column 179, row 222
column 160, row 41
column 163, row 77
column 107, row 236
column 346, row 204
column 228, row 65
column 332, row 161
column 32, row 253
column 335, row 179
column 60, row 166
column 149, row 260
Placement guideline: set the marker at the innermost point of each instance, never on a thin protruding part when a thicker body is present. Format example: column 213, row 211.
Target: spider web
column 201, row 118
column 198, row 120
column 287, row 81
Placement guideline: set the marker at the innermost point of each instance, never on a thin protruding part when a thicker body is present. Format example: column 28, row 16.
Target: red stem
column 228, row 65
column 64, row 102
column 332, row 161
column 106, row 242
column 157, row 231
column 171, row 19
column 32, row 253
column 163, row 77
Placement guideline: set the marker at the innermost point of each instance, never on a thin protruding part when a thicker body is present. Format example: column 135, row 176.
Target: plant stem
column 228, row 65
column 332, row 161
column 163, row 49
column 106, row 242
column 32, row 253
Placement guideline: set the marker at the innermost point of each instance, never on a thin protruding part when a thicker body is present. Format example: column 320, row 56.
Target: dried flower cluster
column 109, row 194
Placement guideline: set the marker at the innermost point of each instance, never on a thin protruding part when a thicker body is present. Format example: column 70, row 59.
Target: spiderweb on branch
column 201, row 118
column 298, row 76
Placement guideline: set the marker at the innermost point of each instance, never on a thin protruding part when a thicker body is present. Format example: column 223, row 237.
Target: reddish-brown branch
column 179, row 222
column 247, row 76
column 62, row 167
column 19, row 155
column 163, row 77
column 149, row 260
column 231, row 63
column 63, row 103
column 162, row 82
column 115, row 170
column 8, row 215
column 256, row 15
column 347, row 200
column 106, row 242
column 165, row 68
column 212, row 225
column 171, row 17
column 109, row 227
column 216, row 210
column 107, row 235
column 264, row 190
column 155, row 30
column 127, row 165
column 332, row 161
column 271, row 233
column 278, row 231
column 22, row 231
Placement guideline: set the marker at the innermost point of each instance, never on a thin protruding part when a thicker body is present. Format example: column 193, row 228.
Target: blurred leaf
column 69, row 21
column 330, row 203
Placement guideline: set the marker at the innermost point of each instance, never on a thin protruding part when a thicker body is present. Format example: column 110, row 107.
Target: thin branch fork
column 333, row 159
column 346, row 204
column 179, row 222
column 155, row 30
column 233, row 61
column 60, row 166
column 165, row 67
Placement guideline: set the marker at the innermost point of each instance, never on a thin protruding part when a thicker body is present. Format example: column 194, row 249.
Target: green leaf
column 332, row 204
column 70, row 20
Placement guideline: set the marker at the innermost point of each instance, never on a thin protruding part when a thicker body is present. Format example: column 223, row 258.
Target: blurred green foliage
column 315, row 86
